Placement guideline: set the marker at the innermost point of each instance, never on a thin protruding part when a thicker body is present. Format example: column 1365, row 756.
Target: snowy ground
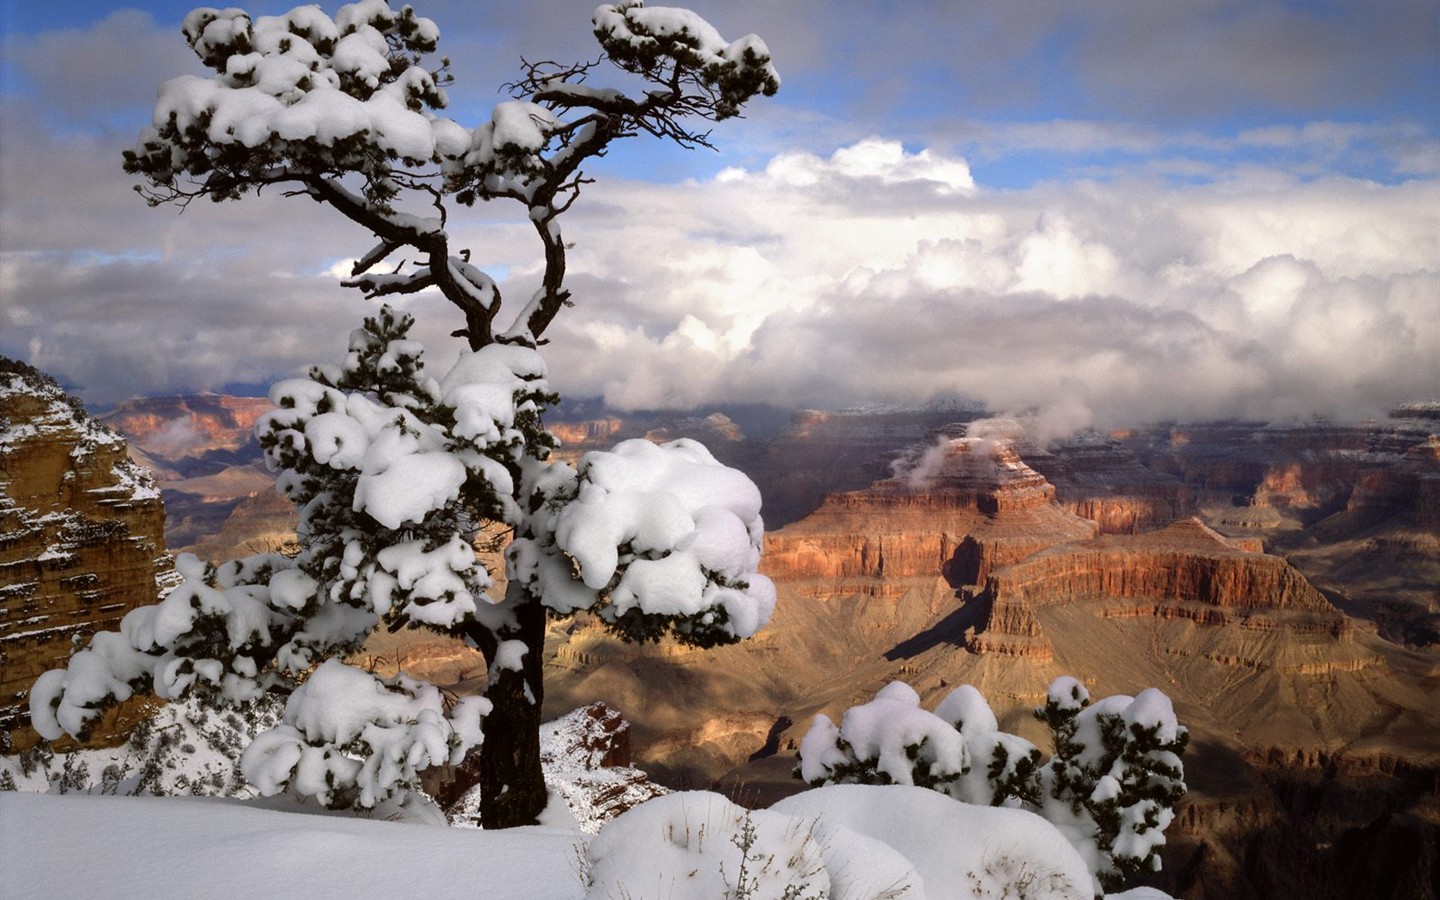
column 71, row 831
column 154, row 848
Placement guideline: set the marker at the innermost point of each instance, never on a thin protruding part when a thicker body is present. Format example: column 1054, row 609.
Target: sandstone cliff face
column 81, row 534
column 1185, row 571
column 970, row 507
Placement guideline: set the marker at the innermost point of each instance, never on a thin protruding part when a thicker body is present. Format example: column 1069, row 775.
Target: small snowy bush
column 1110, row 785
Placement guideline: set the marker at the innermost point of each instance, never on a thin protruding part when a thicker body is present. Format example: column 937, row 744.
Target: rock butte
column 977, row 508
column 1185, row 571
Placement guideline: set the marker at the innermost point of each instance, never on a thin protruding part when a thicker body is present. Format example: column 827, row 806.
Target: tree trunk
column 512, row 786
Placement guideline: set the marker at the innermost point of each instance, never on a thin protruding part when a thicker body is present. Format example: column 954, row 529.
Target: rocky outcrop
column 960, row 510
column 1098, row 478
column 1410, row 488
column 820, row 453
column 1305, row 471
column 586, row 758
column 81, row 534
column 1185, row 571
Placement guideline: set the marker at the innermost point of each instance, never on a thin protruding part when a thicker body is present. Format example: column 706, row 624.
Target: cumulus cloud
column 1260, row 295
column 831, row 263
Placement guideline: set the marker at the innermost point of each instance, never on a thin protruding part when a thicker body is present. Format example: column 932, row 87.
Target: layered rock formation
column 188, row 427
column 81, row 534
column 219, row 498
column 1098, row 478
column 1185, row 571
column 1305, row 471
column 1274, row 682
column 820, row 453
column 962, row 509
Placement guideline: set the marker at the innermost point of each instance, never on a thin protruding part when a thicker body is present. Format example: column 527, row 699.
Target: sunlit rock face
column 960, row 510
column 220, row 501
column 81, row 534
column 1185, row 571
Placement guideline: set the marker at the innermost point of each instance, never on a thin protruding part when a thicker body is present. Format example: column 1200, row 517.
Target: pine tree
column 395, row 471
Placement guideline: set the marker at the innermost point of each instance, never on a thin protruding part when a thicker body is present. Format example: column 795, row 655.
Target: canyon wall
column 976, row 508
column 1185, row 571
column 81, row 534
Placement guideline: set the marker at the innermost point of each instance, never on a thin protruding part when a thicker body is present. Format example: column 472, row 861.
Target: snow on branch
column 657, row 540
column 304, row 100
column 676, row 46
column 349, row 738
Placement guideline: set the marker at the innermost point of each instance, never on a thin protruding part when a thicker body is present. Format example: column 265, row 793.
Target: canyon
column 1280, row 582
column 1167, row 556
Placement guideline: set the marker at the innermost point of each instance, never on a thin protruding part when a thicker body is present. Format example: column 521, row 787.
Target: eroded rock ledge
column 1185, row 571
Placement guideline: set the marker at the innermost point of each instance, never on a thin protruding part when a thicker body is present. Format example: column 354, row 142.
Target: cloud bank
column 1176, row 270
column 820, row 282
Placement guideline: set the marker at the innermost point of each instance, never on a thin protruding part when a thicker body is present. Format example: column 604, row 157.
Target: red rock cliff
column 81, row 534
column 1184, row 571
column 965, row 509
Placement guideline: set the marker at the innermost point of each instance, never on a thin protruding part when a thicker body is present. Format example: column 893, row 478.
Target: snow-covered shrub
column 1110, row 785
column 699, row 845
column 176, row 748
column 1115, row 777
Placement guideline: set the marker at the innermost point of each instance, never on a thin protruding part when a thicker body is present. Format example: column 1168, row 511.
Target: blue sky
column 1225, row 185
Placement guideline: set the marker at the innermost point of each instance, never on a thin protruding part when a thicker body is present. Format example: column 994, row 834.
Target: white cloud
column 872, row 159
column 1254, row 295
column 855, row 270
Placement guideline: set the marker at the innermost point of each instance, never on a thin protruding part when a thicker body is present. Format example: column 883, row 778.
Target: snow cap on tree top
column 639, row 39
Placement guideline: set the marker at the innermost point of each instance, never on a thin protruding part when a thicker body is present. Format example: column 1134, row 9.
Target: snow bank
column 957, row 849
column 141, row 848
column 856, row 842
column 697, row 845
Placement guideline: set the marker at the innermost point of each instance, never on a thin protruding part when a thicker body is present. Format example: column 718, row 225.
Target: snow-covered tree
column 1115, row 777
column 1110, row 786
column 394, row 471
